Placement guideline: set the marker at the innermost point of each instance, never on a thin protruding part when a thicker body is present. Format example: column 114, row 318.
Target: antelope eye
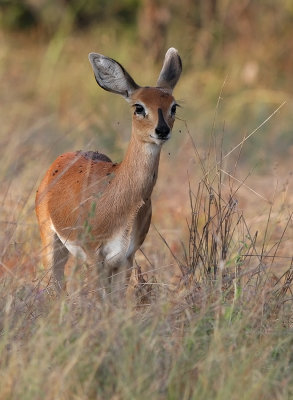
column 173, row 109
column 139, row 109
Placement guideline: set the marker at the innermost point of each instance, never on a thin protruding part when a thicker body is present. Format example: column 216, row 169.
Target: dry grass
column 213, row 318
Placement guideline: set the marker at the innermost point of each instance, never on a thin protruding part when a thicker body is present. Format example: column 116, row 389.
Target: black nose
column 162, row 129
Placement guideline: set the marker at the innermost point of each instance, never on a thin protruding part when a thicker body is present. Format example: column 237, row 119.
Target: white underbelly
column 71, row 246
column 119, row 248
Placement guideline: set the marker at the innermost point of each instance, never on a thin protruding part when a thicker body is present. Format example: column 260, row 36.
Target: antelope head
column 154, row 108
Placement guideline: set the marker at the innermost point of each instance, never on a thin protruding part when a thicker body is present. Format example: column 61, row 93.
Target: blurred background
column 237, row 72
column 243, row 49
column 226, row 331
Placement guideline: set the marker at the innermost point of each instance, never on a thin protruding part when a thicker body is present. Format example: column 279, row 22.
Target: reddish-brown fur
column 91, row 206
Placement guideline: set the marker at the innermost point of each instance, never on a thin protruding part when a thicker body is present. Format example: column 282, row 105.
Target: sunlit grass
column 213, row 318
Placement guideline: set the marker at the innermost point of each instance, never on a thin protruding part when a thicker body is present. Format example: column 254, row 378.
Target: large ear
column 171, row 70
column 111, row 76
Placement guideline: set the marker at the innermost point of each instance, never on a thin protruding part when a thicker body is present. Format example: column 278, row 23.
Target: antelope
column 100, row 211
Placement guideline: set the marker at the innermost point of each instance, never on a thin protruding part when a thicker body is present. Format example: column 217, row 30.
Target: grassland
column 214, row 316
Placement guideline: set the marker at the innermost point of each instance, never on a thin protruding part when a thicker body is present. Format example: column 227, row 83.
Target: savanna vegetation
column 213, row 317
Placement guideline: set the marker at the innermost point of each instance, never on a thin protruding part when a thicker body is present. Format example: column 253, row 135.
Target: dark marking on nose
column 162, row 129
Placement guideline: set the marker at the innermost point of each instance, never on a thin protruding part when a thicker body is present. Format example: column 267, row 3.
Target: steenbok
column 100, row 211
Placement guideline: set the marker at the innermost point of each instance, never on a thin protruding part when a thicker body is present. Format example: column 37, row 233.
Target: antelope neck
column 140, row 167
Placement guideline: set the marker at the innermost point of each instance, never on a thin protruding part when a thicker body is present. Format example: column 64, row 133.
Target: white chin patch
column 159, row 141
